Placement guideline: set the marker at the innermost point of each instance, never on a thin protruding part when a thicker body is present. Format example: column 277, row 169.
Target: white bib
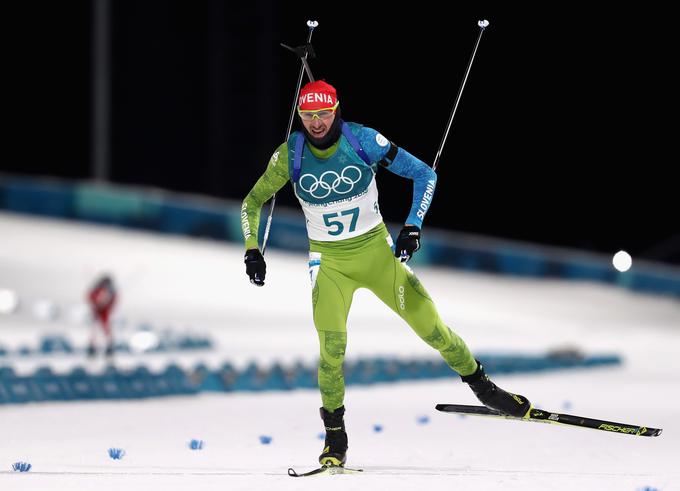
column 343, row 219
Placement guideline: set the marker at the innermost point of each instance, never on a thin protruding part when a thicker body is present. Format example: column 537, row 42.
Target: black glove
column 408, row 242
column 255, row 266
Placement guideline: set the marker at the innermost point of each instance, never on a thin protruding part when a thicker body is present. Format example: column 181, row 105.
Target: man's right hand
column 256, row 268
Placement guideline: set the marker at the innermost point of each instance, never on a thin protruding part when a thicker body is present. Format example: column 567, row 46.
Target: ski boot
column 494, row 397
column 335, row 447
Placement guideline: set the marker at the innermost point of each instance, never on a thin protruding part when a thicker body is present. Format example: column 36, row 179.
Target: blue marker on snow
column 265, row 439
column 116, row 453
column 21, row 467
column 196, row 444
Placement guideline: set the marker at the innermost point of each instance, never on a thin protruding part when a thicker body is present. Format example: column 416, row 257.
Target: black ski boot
column 494, row 397
column 335, row 446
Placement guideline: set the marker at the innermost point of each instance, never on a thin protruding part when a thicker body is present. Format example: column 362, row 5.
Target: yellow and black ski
column 541, row 416
column 326, row 470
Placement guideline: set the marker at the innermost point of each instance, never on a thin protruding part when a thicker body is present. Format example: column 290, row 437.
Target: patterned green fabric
column 273, row 179
column 367, row 261
column 331, row 378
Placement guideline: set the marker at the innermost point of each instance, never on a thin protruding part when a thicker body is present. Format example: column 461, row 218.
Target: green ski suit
column 350, row 247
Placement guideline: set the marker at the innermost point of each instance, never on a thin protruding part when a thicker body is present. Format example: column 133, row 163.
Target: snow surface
column 201, row 285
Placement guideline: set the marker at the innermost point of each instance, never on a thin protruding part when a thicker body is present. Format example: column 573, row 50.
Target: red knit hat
column 317, row 95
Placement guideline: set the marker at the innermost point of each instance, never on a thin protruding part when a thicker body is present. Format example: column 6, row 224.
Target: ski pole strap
column 354, row 141
column 297, row 159
column 389, row 156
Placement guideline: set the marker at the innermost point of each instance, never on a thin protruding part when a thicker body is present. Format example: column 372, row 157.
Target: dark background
column 563, row 135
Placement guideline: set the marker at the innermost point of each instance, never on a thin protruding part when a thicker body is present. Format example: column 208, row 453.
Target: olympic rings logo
column 331, row 181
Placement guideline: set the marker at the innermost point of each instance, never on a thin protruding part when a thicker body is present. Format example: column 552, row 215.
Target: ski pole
column 483, row 24
column 311, row 24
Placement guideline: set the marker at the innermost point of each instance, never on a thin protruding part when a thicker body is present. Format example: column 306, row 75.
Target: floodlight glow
column 9, row 301
column 622, row 261
column 143, row 341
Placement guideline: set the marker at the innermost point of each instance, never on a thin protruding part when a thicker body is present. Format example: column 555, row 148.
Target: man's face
column 318, row 123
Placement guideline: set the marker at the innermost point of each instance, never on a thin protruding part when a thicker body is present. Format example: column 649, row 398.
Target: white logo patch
column 381, row 140
column 275, row 158
column 402, row 300
column 314, row 265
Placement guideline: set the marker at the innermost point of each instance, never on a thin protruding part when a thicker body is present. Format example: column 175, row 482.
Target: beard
column 329, row 138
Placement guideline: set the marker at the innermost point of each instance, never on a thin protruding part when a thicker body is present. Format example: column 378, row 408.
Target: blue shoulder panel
column 405, row 165
column 374, row 144
column 354, row 142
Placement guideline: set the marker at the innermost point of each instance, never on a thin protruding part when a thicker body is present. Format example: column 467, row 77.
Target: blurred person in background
column 101, row 298
column 332, row 166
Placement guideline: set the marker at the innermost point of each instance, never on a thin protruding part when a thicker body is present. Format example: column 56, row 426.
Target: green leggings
column 337, row 270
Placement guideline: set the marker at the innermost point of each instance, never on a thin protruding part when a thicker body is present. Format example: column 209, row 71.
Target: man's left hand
column 408, row 242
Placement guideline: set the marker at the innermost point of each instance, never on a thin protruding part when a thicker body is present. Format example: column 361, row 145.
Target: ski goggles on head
column 310, row 114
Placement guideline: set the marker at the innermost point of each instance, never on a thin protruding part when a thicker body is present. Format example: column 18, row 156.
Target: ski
column 326, row 470
column 541, row 416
